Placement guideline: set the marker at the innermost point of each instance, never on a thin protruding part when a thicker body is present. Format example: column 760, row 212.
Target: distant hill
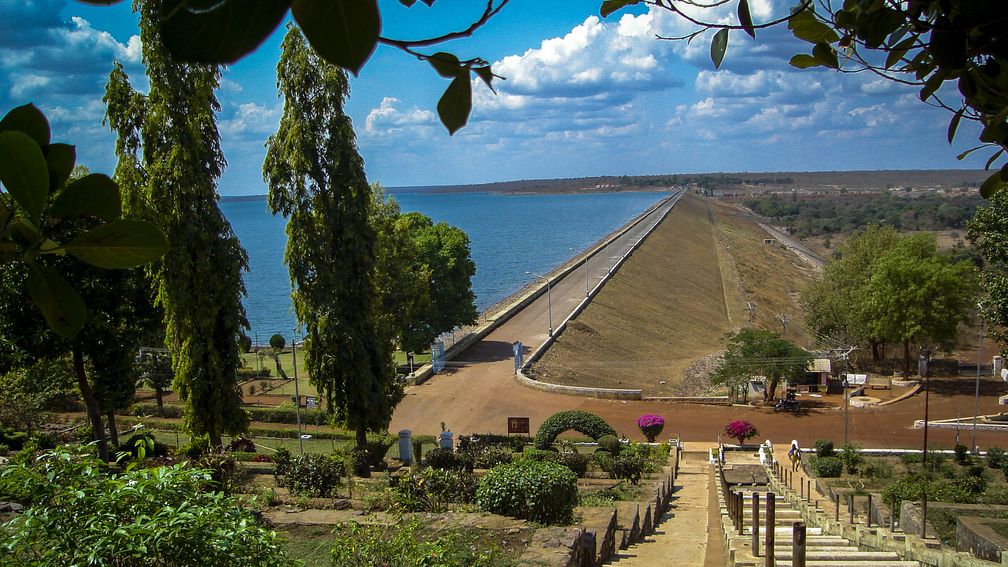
column 738, row 182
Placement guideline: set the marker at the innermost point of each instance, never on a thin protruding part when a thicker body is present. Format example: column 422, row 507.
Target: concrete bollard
column 771, row 519
column 445, row 440
column 798, row 544
column 755, row 524
column 406, row 446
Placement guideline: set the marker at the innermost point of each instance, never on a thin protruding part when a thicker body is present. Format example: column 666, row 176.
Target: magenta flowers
column 741, row 429
column 651, row 426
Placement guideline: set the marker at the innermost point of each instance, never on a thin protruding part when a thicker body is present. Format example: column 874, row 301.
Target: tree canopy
column 988, row 230
column 757, row 354
column 316, row 179
column 169, row 162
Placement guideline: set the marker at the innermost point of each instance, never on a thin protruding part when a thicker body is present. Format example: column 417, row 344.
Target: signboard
column 311, row 402
column 437, row 357
column 519, row 355
column 518, row 425
column 857, row 379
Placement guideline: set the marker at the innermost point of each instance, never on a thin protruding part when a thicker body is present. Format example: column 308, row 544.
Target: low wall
column 975, row 535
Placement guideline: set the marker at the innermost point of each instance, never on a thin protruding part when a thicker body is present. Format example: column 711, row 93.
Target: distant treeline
column 844, row 213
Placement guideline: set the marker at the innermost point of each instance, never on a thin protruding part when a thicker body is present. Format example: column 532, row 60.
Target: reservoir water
column 509, row 235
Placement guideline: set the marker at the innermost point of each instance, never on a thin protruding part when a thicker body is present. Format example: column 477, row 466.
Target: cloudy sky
column 583, row 96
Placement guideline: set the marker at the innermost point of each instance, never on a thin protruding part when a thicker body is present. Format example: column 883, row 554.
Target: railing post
column 850, row 508
column 836, row 500
column 808, row 489
column 869, row 509
column 755, row 524
column 798, row 544
column 801, row 489
column 771, row 520
column 739, row 503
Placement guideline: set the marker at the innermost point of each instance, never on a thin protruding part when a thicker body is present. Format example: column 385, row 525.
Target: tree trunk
column 361, row 437
column 215, row 439
column 159, row 394
column 113, row 431
column 97, row 426
column 906, row 360
column 875, row 350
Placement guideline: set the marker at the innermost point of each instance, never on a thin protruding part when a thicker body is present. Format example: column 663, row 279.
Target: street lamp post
column 846, row 404
column 927, row 392
column 297, row 395
column 549, row 300
column 976, row 396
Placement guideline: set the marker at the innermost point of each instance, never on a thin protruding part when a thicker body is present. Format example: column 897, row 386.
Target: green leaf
column 446, row 64
column 28, row 120
column 343, row 32
column 745, row 18
column 60, row 304
column 718, row 46
column 803, row 61
column 897, row 52
column 487, row 75
column 994, row 133
column 60, row 159
column 94, row 195
column 218, row 32
column 992, row 185
column 23, row 172
column 124, row 243
column 825, row 55
column 954, row 124
column 610, row 6
column 993, row 158
column 931, row 85
column 806, row 27
column 455, row 104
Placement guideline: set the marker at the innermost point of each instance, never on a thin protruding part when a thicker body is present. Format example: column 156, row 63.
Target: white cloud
column 251, row 119
column 387, row 119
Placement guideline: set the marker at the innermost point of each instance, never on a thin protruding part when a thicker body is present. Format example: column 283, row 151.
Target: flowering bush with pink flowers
column 651, row 426
column 741, row 429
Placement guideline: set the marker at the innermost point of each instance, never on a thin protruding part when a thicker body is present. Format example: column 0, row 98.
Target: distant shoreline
column 790, row 180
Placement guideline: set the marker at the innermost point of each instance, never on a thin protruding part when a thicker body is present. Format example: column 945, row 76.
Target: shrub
column 912, row 487
column 315, row 475
column 20, row 484
column 4, row 450
column 13, row 439
column 651, row 426
column 876, row 469
column 975, row 479
column 577, row 420
column 628, row 465
column 224, row 471
column 851, row 457
column 378, row 445
column 403, row 544
column 243, row 444
column 446, row 459
column 826, row 467
column 996, row 458
column 151, row 447
column 576, row 462
column 538, row 491
column 196, row 447
column 610, row 444
column 490, row 456
column 45, row 440
column 134, row 518
column 516, row 443
column 431, row 490
column 961, row 454
column 824, row 448
column 282, row 459
column 741, row 429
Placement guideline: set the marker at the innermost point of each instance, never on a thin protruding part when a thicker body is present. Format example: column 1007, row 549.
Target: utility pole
column 783, row 319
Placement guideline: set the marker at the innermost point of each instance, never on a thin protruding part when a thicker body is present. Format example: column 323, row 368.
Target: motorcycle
column 787, row 405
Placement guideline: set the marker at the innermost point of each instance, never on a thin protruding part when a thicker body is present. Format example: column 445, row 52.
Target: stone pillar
column 406, row 446
column 771, row 520
column 445, row 440
column 798, row 545
column 755, row 524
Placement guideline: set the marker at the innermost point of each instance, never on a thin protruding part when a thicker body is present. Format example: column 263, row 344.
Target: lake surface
column 509, row 235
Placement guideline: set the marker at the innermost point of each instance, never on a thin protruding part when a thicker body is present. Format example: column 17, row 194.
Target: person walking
column 794, row 454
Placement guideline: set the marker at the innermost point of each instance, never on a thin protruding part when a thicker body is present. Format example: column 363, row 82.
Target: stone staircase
column 821, row 549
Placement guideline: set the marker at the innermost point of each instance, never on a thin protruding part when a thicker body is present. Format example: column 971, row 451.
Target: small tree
column 651, row 426
column 277, row 343
column 741, row 429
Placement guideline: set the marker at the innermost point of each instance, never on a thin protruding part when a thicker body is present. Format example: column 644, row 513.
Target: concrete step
column 846, row 555
column 786, row 530
column 841, row 563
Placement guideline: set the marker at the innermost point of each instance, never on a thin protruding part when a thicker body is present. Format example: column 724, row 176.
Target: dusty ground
column 673, row 301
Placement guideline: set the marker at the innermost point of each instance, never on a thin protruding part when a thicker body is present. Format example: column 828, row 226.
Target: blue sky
column 583, row 97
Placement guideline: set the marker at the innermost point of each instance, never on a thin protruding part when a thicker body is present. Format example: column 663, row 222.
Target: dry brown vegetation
column 673, row 301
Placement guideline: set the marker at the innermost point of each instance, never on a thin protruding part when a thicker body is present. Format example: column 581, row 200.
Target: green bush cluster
column 576, row 462
column 912, row 487
column 539, row 491
column 876, row 469
column 961, row 454
column 516, row 443
column 996, row 458
column 611, row 444
column 490, row 456
column 20, row 484
column 14, row 440
column 151, row 447
column 432, row 490
column 446, row 459
column 850, row 456
column 824, row 448
column 576, row 420
column 314, row 475
column 628, row 465
column 378, row 445
column 403, row 544
column 826, row 467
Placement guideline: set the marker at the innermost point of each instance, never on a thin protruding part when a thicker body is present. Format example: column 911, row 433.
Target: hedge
column 577, row 420
column 532, row 490
column 263, row 415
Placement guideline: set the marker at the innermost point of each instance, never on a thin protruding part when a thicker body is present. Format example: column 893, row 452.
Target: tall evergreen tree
column 169, row 162
column 316, row 179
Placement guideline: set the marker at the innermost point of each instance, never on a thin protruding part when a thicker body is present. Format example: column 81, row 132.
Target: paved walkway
column 681, row 539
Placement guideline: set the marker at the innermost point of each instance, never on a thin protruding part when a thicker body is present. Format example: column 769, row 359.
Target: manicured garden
column 247, row 493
